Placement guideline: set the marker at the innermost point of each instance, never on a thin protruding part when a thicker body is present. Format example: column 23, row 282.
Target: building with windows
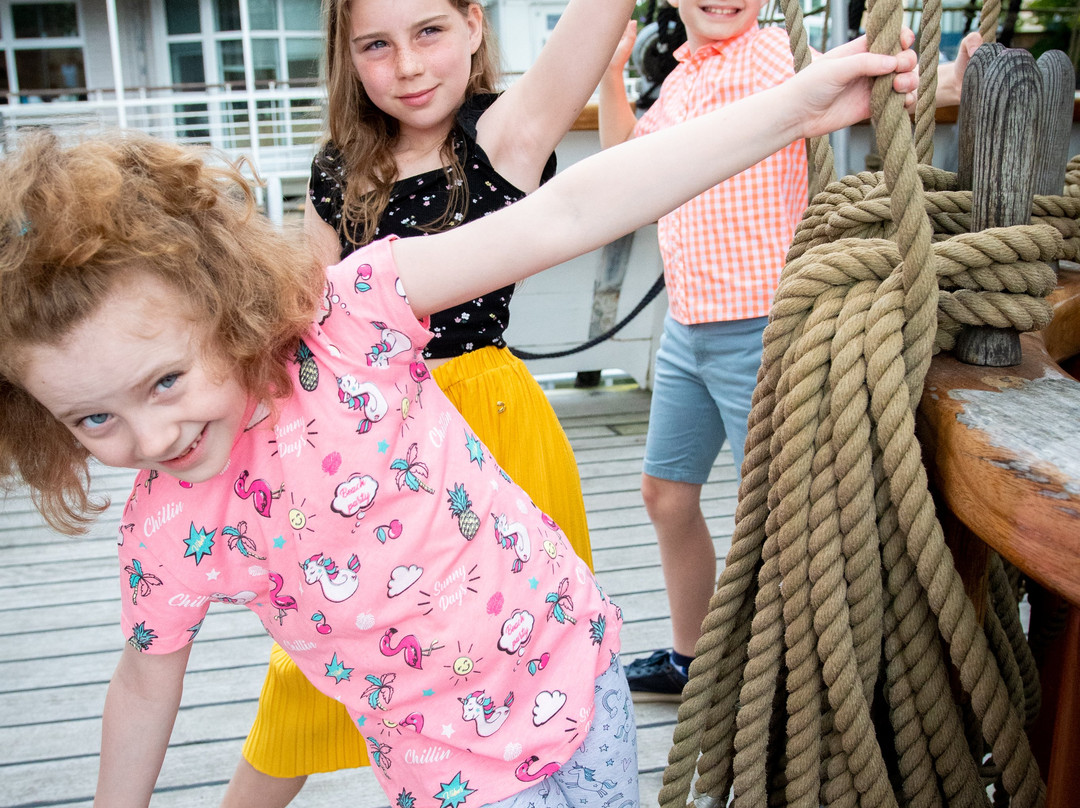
column 242, row 75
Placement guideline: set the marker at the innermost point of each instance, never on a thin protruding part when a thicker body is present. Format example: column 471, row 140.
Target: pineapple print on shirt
column 461, row 507
column 309, row 371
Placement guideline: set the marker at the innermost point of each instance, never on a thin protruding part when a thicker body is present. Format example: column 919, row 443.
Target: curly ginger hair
column 76, row 222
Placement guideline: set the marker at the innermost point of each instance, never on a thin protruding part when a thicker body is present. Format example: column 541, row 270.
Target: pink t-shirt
column 385, row 550
column 724, row 249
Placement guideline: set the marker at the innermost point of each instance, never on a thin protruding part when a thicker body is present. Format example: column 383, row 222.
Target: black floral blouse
column 416, row 202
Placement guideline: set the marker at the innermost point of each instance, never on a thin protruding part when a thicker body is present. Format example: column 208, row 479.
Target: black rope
column 645, row 301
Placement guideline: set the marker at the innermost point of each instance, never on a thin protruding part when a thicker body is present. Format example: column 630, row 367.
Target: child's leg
column 687, row 555
column 704, row 382
column 604, row 769
column 250, row 788
column 685, row 434
column 297, row 731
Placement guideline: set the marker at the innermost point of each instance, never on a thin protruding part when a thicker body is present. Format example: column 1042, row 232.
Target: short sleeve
column 369, row 311
column 159, row 613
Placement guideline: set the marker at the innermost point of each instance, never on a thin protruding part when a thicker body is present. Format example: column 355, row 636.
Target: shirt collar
column 683, row 54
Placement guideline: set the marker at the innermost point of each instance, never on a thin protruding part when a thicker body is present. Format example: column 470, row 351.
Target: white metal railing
column 276, row 127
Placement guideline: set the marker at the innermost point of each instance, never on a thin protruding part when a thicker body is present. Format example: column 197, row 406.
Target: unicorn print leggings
column 603, row 771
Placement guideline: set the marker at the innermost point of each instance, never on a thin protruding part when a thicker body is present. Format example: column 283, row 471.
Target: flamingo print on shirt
column 412, row 652
column 258, row 491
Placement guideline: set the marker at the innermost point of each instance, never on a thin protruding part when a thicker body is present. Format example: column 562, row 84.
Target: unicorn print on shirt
column 513, row 536
column 337, row 584
column 390, row 344
column 479, row 708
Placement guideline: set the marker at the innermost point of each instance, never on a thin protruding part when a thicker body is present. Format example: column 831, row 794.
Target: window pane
column 4, row 85
column 50, row 69
column 231, row 60
column 182, row 17
column 33, row 21
column 262, row 15
column 227, row 15
column 264, row 53
column 302, row 15
column 186, row 59
column 303, row 56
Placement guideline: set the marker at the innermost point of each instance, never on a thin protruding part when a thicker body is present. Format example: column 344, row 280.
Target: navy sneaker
column 655, row 679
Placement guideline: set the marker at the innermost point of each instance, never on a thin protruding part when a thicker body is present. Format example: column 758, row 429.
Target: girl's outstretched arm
column 524, row 126
column 620, row 189
column 140, row 709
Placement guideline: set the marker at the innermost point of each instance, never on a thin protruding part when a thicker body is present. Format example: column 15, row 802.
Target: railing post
column 275, row 199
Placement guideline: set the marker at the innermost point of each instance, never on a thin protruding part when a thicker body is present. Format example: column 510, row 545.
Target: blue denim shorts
column 702, row 390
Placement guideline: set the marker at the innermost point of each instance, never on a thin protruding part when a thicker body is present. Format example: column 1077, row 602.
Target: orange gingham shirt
column 723, row 250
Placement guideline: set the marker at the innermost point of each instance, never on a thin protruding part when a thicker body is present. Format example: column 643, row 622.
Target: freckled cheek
column 375, row 78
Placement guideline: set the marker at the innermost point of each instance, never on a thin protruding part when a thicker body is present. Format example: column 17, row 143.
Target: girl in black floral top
column 418, row 141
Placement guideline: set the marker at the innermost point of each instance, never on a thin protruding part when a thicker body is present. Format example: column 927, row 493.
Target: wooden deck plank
column 60, row 640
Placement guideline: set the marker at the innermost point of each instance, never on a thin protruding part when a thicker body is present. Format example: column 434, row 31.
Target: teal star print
column 455, row 792
column 361, row 721
column 199, row 543
column 383, row 446
column 279, row 542
column 336, row 670
column 476, row 449
column 533, row 583
column 428, row 692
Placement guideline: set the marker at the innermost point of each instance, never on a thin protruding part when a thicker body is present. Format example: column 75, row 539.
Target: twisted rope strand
column 839, row 625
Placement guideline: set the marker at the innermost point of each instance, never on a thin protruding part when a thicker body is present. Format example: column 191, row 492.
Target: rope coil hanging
column 840, row 628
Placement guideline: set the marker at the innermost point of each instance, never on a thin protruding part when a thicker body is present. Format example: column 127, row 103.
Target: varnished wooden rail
column 1002, row 448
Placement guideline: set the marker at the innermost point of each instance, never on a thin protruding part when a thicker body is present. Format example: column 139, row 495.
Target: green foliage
column 1058, row 25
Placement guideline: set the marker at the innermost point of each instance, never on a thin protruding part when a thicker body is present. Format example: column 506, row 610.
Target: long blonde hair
column 76, row 222
column 364, row 135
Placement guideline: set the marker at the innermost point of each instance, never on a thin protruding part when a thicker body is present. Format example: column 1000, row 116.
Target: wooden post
column 1002, row 160
column 970, row 104
column 1055, row 121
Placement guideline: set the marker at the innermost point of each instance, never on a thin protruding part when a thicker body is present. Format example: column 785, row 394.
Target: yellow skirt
column 298, row 730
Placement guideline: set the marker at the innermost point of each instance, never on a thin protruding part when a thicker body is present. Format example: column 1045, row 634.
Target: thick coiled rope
column 840, row 629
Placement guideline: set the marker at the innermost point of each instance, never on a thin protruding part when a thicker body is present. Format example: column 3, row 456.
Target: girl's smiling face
column 414, row 58
column 133, row 385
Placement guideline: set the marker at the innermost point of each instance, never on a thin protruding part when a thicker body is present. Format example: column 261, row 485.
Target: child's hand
column 624, row 48
column 951, row 75
column 834, row 91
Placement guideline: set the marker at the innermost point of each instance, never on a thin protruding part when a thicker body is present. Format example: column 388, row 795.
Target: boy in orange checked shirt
column 723, row 252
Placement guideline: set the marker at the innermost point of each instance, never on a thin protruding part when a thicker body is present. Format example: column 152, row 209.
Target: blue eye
column 165, row 382
column 95, row 420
